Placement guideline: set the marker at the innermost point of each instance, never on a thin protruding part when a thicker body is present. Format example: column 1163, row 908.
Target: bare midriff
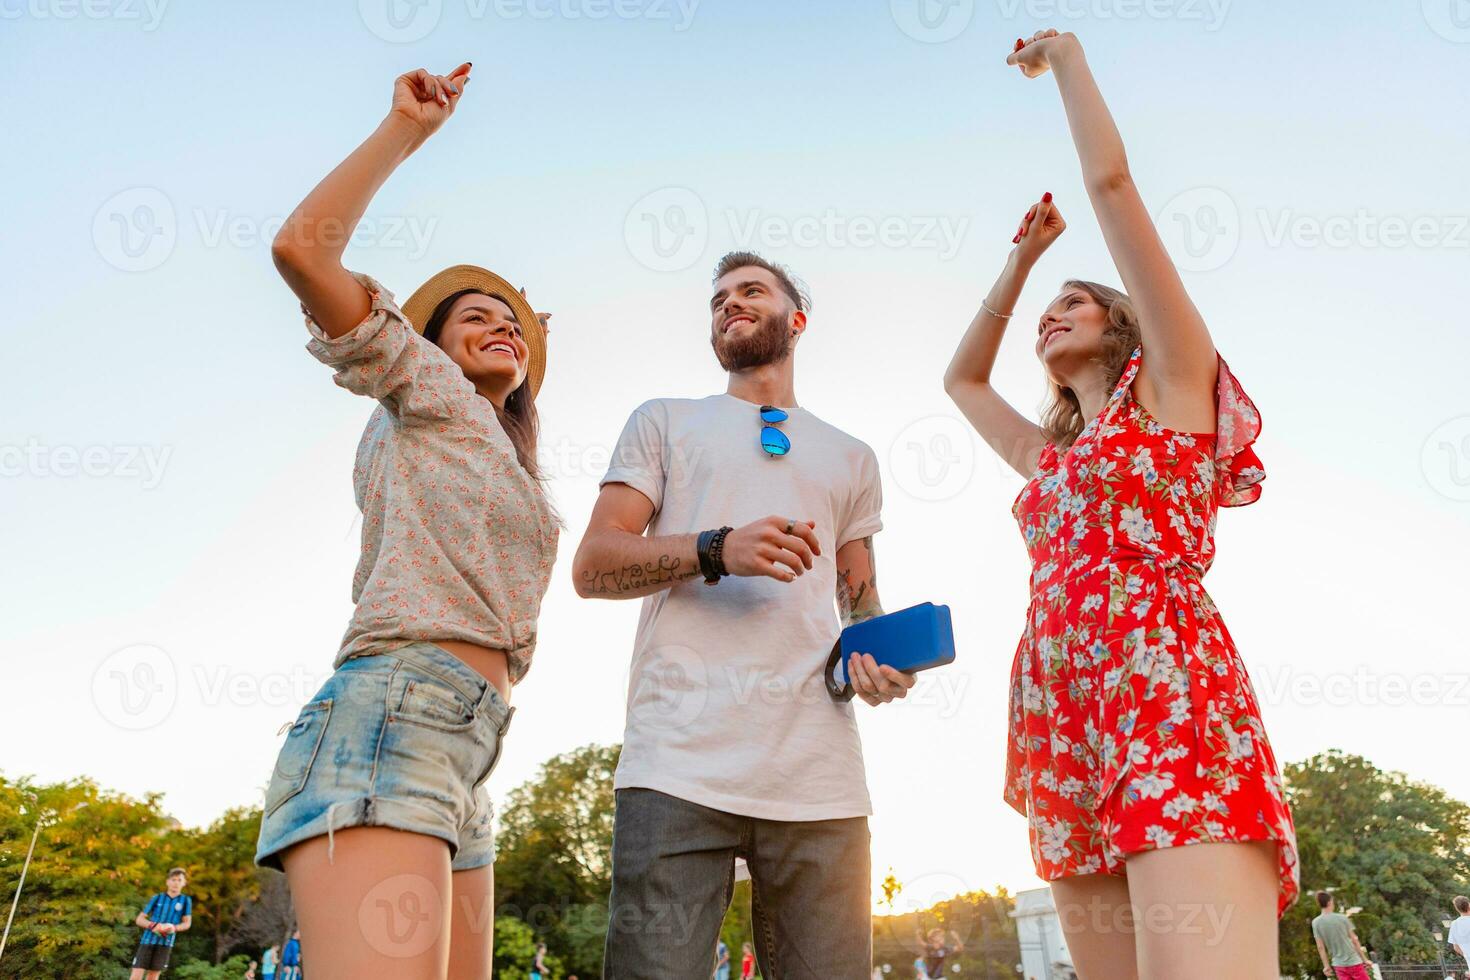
column 493, row 665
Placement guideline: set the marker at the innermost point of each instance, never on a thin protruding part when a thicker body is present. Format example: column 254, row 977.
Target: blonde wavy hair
column 1061, row 415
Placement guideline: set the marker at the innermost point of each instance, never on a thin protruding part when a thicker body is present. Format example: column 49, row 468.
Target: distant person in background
column 291, row 957
column 722, row 961
column 1460, row 929
column 538, row 969
column 268, row 961
column 250, row 971
column 1337, row 943
column 935, row 951
column 747, row 962
column 167, row 914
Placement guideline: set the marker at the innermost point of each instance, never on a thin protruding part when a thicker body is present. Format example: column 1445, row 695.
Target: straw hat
column 421, row 305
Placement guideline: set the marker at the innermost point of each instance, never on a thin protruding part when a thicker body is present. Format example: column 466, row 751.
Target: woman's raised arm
column 308, row 250
column 1181, row 360
column 1015, row 438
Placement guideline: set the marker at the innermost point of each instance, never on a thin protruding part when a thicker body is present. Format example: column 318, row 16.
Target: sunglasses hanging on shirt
column 773, row 440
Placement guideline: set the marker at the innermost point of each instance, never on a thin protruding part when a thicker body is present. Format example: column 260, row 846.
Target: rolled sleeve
column 384, row 358
column 865, row 516
column 638, row 458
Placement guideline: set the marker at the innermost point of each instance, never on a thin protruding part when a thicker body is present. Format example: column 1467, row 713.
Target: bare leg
column 1097, row 921
column 472, row 924
column 378, row 909
column 1206, row 910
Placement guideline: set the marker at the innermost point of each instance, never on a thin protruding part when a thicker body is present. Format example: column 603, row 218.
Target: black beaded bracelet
column 711, row 547
column 706, row 566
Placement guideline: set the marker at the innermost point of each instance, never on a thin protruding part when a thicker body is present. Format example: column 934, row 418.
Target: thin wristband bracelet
column 717, row 554
column 995, row 313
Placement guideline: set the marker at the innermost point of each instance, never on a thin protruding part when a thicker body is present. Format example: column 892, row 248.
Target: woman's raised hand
column 1034, row 55
column 1042, row 225
column 427, row 100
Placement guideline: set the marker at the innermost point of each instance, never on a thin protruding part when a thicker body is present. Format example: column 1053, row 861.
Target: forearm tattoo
column 857, row 598
column 667, row 570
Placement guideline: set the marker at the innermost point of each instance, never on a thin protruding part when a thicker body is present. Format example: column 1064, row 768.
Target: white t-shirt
column 1460, row 934
column 726, row 702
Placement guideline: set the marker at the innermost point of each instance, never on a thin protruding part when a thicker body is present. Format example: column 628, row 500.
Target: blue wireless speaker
column 912, row 639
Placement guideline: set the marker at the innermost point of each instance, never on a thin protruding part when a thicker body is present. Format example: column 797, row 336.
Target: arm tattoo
column 858, row 600
column 665, row 571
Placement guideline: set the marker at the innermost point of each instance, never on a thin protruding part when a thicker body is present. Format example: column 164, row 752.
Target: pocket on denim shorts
column 293, row 764
column 434, row 705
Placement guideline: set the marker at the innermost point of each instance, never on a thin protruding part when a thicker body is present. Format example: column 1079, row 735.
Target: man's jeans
column 674, row 872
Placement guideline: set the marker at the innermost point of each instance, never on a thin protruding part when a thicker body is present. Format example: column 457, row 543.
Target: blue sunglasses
column 773, row 440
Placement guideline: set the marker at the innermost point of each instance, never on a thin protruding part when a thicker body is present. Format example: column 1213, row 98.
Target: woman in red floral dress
column 1134, row 729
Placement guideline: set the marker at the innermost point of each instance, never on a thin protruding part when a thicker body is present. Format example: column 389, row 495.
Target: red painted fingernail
column 1032, row 213
column 1020, row 44
column 1016, row 240
column 1046, row 198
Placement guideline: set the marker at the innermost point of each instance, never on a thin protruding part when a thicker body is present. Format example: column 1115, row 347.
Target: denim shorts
column 404, row 739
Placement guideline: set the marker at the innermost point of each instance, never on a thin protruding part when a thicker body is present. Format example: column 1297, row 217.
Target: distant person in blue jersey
column 268, row 961
column 166, row 914
column 291, row 957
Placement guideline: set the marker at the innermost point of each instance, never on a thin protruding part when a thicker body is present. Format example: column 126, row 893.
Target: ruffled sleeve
column 1238, row 471
column 384, row 358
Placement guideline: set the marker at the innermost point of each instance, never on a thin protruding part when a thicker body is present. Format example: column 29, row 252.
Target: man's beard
column 766, row 344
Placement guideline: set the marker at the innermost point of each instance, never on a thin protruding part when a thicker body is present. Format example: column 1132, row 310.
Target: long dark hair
column 518, row 417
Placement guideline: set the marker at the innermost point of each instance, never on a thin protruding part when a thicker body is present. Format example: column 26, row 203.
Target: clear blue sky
column 1306, row 162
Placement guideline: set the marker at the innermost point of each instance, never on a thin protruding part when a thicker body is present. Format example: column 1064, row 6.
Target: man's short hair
column 737, row 260
column 1324, row 898
column 1462, row 905
column 176, row 871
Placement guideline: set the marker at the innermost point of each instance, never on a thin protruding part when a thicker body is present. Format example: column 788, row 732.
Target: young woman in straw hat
column 1134, row 730
column 377, row 809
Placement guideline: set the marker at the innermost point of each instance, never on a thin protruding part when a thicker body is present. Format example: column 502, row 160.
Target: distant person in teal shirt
column 1337, row 942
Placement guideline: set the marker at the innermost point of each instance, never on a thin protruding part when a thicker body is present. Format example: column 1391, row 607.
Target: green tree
column 515, row 951
column 231, row 969
column 553, row 867
column 980, row 919
column 736, row 929
column 1394, row 847
column 97, row 859
column 223, row 879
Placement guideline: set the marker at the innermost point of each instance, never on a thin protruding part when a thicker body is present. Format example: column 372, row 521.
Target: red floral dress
column 1133, row 724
